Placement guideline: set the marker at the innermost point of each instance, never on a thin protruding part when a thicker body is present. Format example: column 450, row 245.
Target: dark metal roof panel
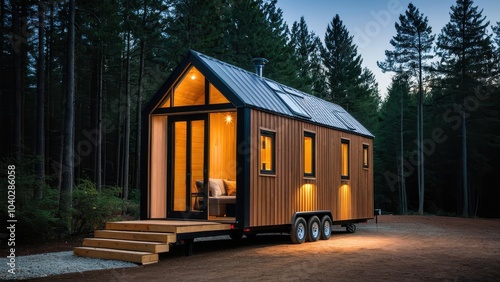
column 253, row 91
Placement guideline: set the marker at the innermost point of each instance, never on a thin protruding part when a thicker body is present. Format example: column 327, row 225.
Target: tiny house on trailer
column 226, row 145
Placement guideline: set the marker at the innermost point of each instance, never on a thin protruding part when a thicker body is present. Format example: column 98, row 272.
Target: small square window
column 365, row 156
column 344, row 159
column 267, row 152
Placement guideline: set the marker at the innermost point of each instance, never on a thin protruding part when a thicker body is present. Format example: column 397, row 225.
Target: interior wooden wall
column 222, row 146
column 274, row 199
column 180, row 159
column 158, row 167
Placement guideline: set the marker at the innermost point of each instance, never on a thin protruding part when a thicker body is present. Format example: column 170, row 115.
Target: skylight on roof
column 287, row 95
column 339, row 115
column 293, row 105
column 293, row 91
column 274, row 86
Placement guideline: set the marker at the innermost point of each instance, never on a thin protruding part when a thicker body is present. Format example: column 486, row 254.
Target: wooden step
column 136, row 236
column 142, row 246
column 132, row 256
column 172, row 226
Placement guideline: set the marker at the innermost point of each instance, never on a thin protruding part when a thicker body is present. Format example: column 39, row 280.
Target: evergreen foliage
column 466, row 67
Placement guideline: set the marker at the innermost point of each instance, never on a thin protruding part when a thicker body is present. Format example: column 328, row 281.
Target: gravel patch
column 43, row 265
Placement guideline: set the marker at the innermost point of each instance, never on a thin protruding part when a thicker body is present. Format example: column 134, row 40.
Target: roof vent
column 259, row 65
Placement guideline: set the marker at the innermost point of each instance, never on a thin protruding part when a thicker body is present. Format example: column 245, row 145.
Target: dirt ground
column 398, row 248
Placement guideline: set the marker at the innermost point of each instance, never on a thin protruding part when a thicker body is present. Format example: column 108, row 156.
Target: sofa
column 221, row 193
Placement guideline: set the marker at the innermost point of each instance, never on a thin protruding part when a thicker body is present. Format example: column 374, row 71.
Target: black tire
column 313, row 229
column 326, row 227
column 298, row 233
column 350, row 228
column 251, row 236
column 236, row 236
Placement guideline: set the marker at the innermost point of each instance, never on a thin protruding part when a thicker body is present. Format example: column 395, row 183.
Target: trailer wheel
column 326, row 227
column 235, row 236
column 313, row 229
column 350, row 228
column 299, row 231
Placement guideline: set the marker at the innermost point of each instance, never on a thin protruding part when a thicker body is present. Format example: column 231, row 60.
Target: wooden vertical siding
column 275, row 198
column 158, row 167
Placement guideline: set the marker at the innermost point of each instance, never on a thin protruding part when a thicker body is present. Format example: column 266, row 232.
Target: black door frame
column 188, row 213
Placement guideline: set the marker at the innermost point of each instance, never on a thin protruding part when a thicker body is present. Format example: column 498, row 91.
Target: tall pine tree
column 412, row 46
column 348, row 83
column 466, row 53
column 306, row 48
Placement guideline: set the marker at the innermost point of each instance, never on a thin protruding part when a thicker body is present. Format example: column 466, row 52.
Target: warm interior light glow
column 308, row 155
column 229, row 118
column 345, row 160
column 266, row 160
column 193, row 77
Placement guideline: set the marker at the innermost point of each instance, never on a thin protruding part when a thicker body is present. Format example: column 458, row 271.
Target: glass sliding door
column 188, row 167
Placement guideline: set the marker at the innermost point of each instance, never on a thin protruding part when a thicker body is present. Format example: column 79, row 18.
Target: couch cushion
column 222, row 200
column 221, row 185
column 230, row 187
column 214, row 188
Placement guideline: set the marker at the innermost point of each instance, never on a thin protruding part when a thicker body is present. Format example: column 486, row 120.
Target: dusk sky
column 371, row 22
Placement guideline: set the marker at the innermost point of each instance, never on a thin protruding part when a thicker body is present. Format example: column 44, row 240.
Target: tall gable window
column 190, row 90
column 267, row 152
column 344, row 159
column 309, row 154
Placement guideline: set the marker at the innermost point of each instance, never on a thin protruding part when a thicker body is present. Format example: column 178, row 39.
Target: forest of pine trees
column 75, row 75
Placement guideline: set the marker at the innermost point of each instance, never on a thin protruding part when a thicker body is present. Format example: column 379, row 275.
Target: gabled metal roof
column 262, row 93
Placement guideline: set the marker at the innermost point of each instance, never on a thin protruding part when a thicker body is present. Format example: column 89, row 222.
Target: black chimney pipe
column 259, row 65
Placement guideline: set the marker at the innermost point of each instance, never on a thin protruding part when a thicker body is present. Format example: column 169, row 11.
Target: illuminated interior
column 222, row 150
column 201, row 145
column 345, row 159
column 308, row 155
column 365, row 156
column 266, row 152
column 216, row 97
column 190, row 91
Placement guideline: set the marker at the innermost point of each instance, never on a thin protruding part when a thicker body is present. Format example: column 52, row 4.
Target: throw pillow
column 219, row 182
column 230, row 187
column 214, row 188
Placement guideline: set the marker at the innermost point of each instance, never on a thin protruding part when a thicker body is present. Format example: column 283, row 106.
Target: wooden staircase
column 140, row 241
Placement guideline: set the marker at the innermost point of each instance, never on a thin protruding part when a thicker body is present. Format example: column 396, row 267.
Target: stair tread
column 126, row 241
column 114, row 250
column 123, row 255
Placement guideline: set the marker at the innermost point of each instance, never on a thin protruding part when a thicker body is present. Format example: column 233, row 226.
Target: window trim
column 272, row 134
column 312, row 135
column 366, row 164
column 348, row 176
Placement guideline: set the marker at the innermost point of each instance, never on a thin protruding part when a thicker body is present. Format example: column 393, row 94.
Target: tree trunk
column 98, row 166
column 17, row 41
column 139, row 119
column 126, row 142
column 40, row 107
column 66, row 195
column 420, row 130
column 404, row 208
column 465, row 179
